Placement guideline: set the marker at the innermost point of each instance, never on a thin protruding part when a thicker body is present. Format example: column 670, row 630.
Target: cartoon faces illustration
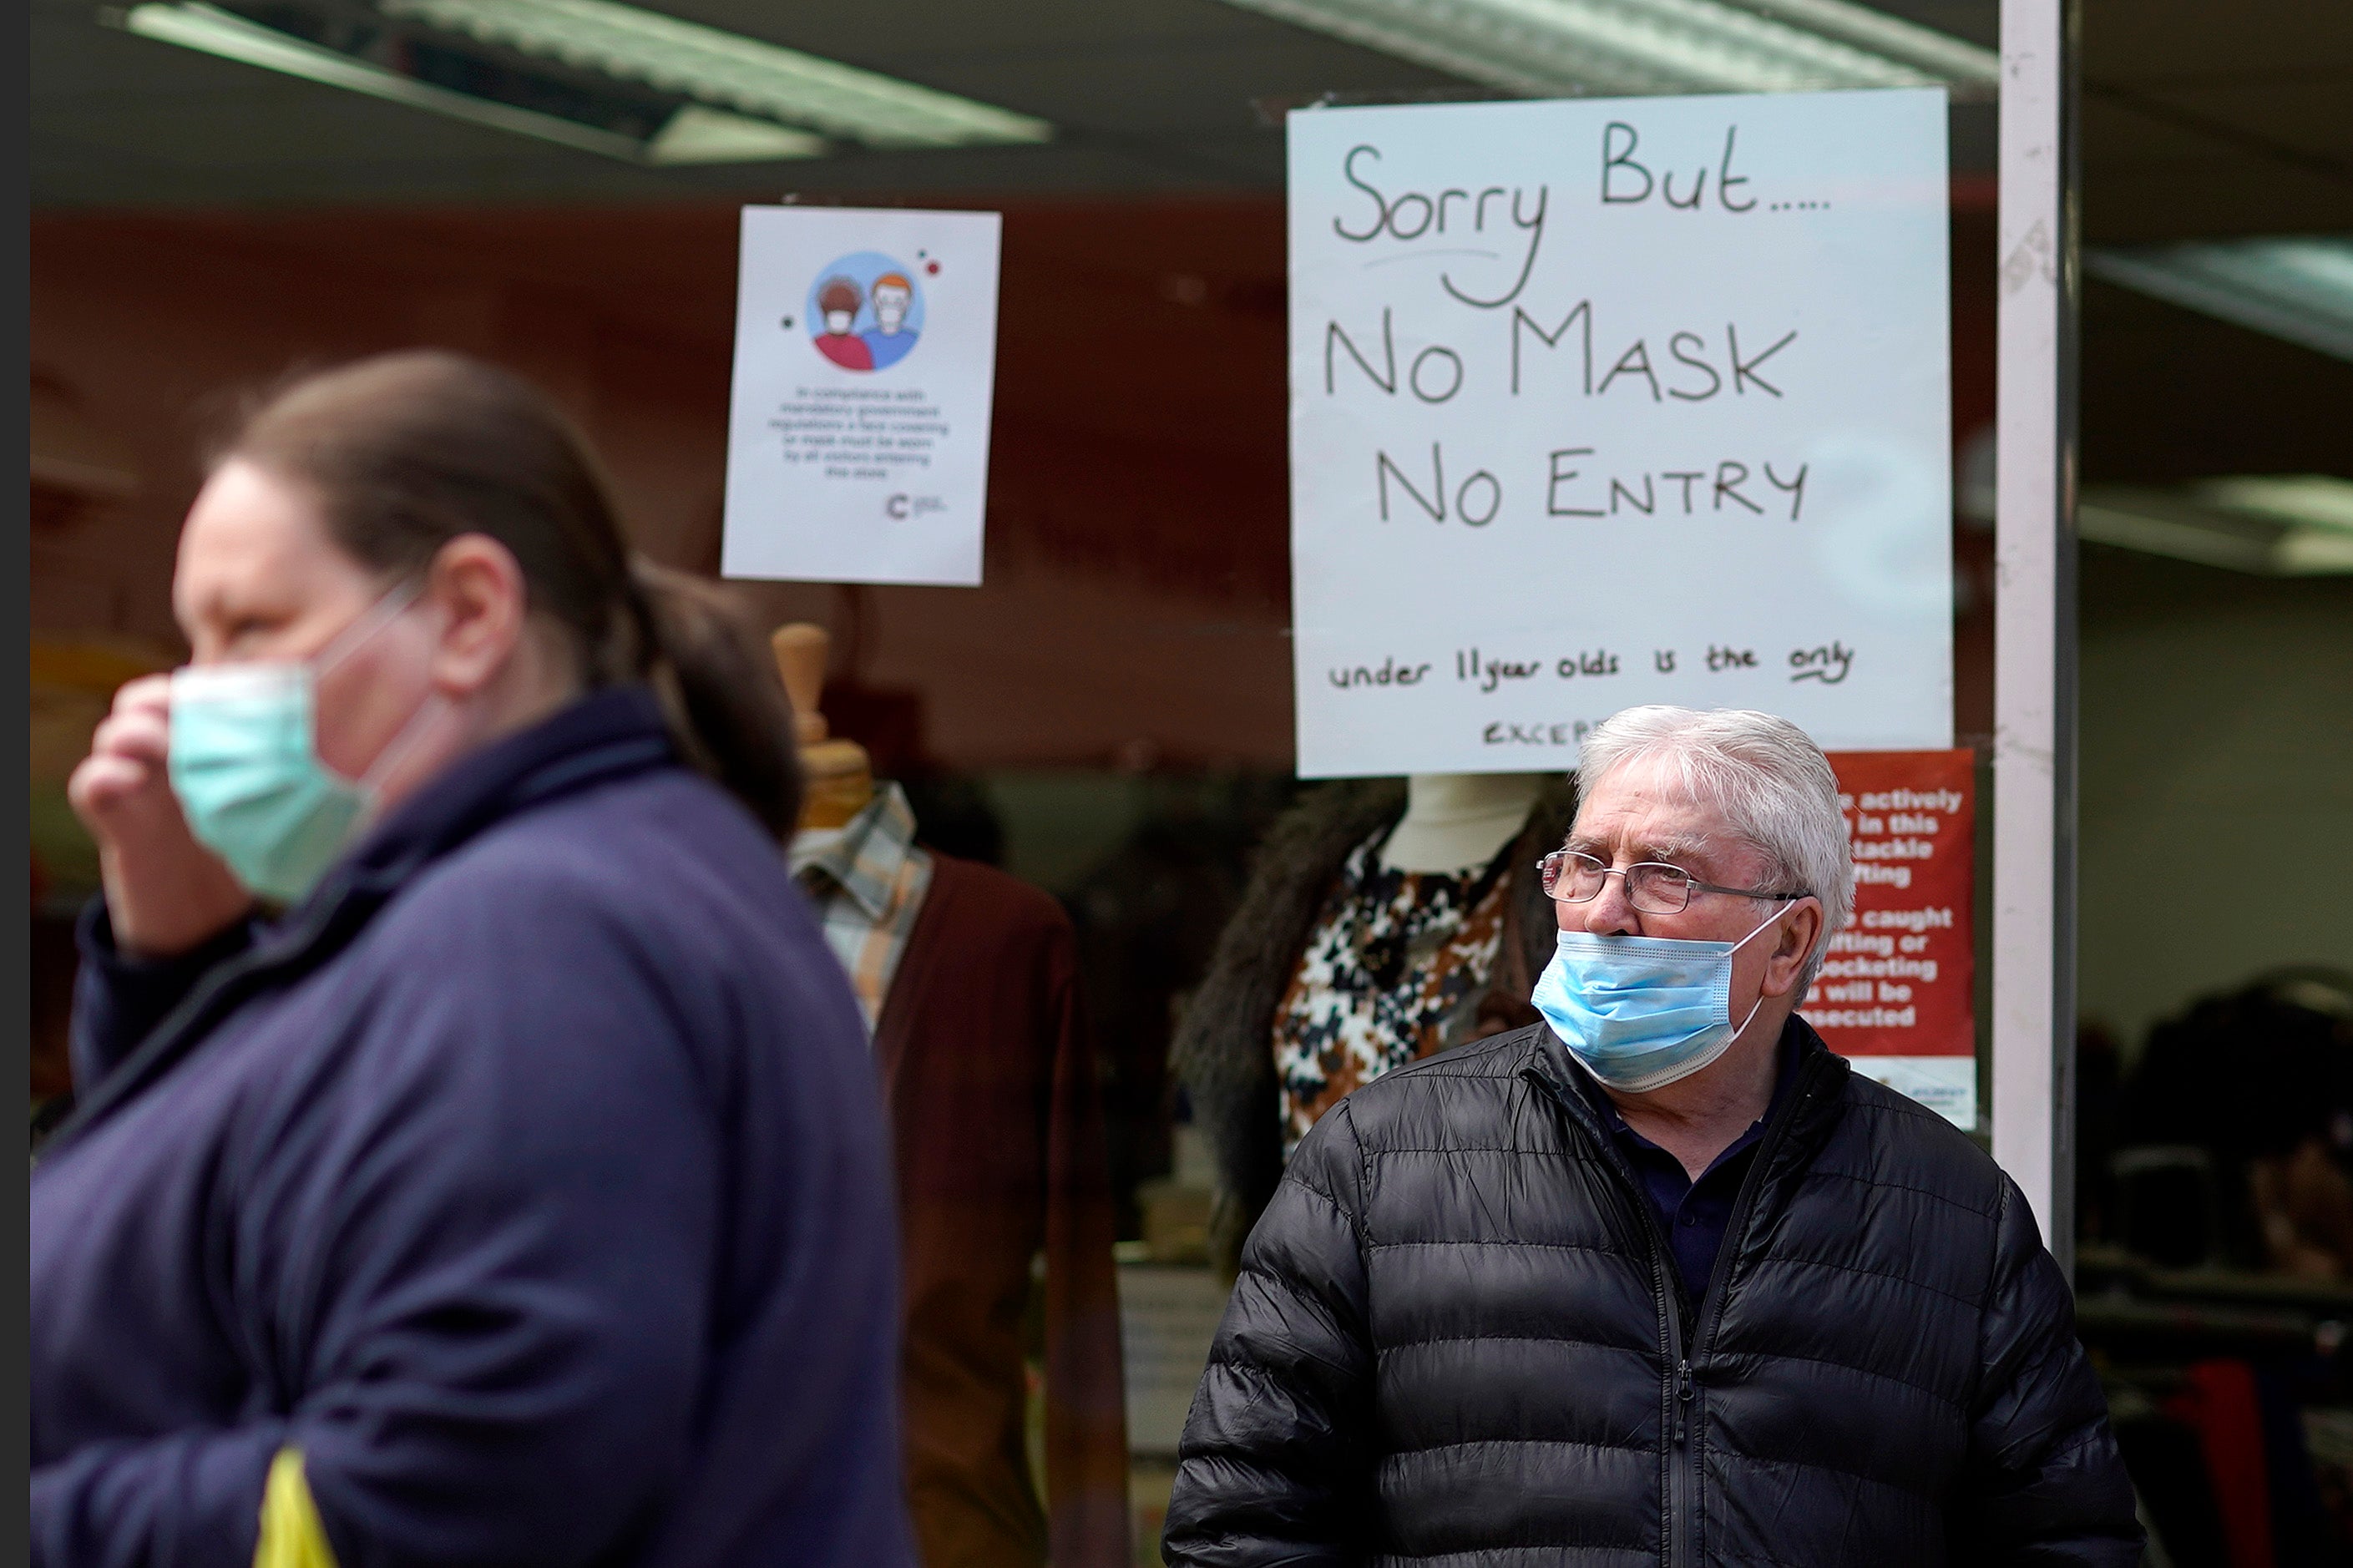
column 890, row 340
column 866, row 311
column 838, row 300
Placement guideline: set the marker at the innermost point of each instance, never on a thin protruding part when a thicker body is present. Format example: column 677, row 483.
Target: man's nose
column 1610, row 913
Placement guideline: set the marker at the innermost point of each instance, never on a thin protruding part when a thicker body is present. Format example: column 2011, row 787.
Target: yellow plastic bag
column 291, row 1536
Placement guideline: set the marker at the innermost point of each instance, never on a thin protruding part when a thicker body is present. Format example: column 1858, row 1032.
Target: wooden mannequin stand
column 837, row 779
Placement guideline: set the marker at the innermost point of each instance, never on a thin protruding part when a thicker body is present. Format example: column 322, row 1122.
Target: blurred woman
column 519, row 1192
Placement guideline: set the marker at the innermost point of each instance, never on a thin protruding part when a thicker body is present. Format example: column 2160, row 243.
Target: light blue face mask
column 244, row 760
column 1641, row 1012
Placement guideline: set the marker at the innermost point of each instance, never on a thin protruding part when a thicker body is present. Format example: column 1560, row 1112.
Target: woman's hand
column 165, row 893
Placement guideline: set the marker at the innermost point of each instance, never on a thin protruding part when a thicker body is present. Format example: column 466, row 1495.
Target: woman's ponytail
column 409, row 451
column 727, row 707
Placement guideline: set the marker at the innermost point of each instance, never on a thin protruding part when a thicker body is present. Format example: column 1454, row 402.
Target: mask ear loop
column 396, row 749
column 371, row 620
column 347, row 642
column 1786, row 905
column 1776, row 915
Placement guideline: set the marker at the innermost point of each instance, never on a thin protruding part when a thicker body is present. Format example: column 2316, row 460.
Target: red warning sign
column 1896, row 992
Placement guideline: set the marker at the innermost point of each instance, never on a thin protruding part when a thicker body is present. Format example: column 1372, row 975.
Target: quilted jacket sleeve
column 2047, row 1483
column 1273, row 1465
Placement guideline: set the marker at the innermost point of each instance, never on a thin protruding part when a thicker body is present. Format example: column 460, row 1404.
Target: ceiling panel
column 2201, row 117
column 2146, row 42
column 1146, row 95
column 2154, row 172
column 2209, row 118
column 2308, row 111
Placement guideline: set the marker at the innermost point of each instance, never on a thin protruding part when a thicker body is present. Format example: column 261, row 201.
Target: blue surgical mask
column 1643, row 1012
column 244, row 760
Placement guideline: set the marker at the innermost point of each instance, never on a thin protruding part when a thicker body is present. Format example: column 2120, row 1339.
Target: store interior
column 1109, row 716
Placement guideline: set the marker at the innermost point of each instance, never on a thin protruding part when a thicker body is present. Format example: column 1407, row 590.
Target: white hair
column 1773, row 785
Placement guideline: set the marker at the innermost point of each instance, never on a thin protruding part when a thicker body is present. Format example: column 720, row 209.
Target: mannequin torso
column 1405, row 946
column 1455, row 821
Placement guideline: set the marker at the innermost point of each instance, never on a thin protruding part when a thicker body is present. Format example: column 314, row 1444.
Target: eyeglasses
column 1652, row 887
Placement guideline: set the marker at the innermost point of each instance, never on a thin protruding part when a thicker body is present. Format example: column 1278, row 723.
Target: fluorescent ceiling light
column 217, row 31
column 727, row 70
column 2302, row 501
column 2299, row 289
column 606, row 77
column 1543, row 48
column 2287, row 525
column 697, row 134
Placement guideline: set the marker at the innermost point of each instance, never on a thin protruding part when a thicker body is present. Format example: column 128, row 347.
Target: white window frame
column 2033, row 1090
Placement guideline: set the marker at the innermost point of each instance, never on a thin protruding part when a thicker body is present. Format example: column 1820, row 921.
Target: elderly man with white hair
column 1659, row 1280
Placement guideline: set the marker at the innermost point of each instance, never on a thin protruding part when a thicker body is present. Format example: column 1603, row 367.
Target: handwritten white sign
column 1609, row 402
column 865, row 361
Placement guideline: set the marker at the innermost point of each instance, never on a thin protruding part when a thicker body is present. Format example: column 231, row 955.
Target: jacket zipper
column 1707, row 1317
column 1676, row 1391
column 1708, row 1313
column 1682, row 1451
column 1681, row 1390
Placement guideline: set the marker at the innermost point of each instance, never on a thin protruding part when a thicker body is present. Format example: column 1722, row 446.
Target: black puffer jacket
column 1459, row 1337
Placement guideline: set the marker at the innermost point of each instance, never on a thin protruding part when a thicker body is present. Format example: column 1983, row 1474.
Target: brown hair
column 406, row 451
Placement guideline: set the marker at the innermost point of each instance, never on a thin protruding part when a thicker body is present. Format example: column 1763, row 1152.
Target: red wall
column 1137, row 555
column 1137, row 566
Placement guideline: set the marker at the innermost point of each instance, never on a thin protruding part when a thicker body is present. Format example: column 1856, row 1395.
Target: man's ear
column 1799, row 930
column 479, row 586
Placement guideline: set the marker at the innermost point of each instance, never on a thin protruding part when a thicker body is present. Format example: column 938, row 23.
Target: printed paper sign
column 1897, row 991
column 865, row 361
column 1607, row 402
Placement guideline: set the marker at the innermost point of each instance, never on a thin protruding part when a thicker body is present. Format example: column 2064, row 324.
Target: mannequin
column 1404, row 947
column 1384, row 920
column 968, row 979
column 855, row 850
column 1457, row 820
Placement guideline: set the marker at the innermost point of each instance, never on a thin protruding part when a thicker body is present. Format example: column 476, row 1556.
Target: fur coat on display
column 1224, row 1052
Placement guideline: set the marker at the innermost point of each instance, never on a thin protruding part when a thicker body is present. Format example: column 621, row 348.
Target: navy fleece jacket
column 530, row 1179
